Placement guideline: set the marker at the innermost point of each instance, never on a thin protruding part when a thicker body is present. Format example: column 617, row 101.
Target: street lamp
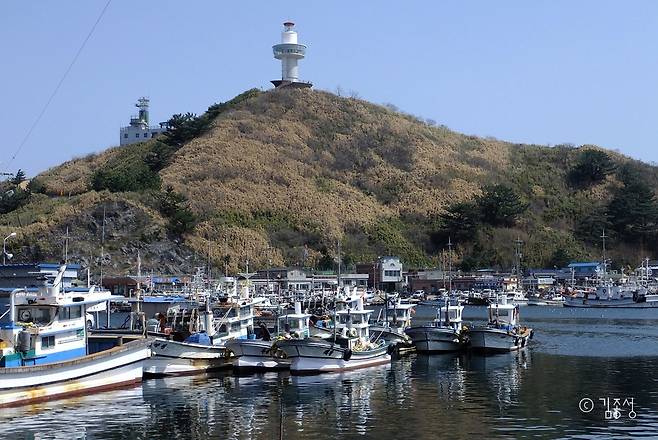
column 4, row 248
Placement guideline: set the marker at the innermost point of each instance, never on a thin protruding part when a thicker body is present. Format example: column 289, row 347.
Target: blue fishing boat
column 43, row 345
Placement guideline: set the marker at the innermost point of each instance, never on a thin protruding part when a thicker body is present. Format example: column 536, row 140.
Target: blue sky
column 544, row 72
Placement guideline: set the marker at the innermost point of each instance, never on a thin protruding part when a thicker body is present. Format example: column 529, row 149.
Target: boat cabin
column 48, row 324
column 503, row 315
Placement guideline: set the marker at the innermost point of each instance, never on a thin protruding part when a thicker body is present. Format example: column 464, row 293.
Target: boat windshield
column 35, row 315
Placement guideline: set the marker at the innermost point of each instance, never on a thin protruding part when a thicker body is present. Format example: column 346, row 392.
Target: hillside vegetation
column 279, row 177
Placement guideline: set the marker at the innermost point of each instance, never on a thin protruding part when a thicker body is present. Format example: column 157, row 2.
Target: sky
column 543, row 72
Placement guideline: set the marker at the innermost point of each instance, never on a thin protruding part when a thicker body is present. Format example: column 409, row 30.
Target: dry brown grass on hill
column 74, row 177
column 270, row 153
column 288, row 168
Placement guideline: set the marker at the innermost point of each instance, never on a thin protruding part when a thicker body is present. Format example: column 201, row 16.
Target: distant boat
column 43, row 346
column 610, row 296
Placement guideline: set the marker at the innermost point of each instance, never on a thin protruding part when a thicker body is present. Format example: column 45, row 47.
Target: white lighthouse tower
column 289, row 52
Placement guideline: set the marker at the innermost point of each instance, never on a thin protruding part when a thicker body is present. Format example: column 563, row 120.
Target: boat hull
column 118, row 367
column 172, row 358
column 250, row 354
column 389, row 335
column 434, row 339
column 626, row 303
column 497, row 340
column 314, row 357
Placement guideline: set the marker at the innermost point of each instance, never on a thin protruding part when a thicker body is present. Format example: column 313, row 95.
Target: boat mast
column 517, row 251
column 605, row 261
column 102, row 246
column 449, row 267
column 338, row 280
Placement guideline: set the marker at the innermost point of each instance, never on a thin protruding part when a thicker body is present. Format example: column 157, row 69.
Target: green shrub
column 176, row 208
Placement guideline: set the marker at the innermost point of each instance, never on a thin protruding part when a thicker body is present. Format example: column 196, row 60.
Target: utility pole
column 66, row 246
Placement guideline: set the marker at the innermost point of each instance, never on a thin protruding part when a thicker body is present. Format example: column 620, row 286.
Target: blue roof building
column 586, row 269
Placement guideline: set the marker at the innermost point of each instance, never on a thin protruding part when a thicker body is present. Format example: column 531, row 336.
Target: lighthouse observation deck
column 289, row 50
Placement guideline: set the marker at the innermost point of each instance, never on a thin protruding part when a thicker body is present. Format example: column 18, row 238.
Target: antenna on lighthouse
column 289, row 51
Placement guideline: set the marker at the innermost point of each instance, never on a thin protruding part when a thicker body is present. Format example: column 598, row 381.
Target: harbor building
column 289, row 52
column 582, row 270
column 139, row 129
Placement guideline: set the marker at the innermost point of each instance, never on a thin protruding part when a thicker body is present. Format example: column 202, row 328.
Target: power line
column 59, row 84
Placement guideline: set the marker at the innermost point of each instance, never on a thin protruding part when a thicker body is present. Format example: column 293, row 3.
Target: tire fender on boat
column 347, row 355
column 391, row 349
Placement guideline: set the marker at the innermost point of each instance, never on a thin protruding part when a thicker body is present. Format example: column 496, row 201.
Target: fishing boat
column 394, row 318
column 44, row 351
column 608, row 295
column 196, row 337
column 548, row 299
column 350, row 347
column 188, row 348
column 260, row 354
column 443, row 334
column 502, row 332
column 517, row 297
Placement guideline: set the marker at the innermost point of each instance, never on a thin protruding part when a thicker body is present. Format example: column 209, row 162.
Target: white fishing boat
column 189, row 349
column 611, row 296
column 517, row 297
column 547, row 299
column 502, row 332
column 43, row 346
column 197, row 338
column 259, row 354
column 394, row 318
column 349, row 348
column 443, row 334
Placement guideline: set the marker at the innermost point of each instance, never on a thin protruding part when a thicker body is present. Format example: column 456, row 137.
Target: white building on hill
column 139, row 129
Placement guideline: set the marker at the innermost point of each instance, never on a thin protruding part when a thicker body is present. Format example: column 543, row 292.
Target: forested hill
column 283, row 175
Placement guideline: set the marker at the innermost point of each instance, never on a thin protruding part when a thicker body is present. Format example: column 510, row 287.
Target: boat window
column 47, row 342
column 74, row 312
column 35, row 315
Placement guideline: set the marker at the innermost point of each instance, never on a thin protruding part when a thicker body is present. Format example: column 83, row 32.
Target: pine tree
column 19, row 177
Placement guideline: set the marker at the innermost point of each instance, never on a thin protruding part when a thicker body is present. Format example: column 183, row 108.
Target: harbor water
column 563, row 386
